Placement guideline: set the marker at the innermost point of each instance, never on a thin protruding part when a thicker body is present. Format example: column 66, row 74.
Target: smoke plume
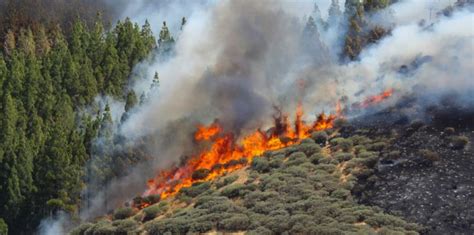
column 236, row 60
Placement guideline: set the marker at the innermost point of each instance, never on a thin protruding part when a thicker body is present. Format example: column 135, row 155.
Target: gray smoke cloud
column 235, row 60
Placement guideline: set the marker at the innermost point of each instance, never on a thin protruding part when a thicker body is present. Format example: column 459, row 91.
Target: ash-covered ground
column 426, row 175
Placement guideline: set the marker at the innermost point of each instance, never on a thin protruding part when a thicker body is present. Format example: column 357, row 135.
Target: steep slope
column 302, row 189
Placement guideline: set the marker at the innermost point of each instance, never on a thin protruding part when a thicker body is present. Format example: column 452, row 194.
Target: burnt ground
column 421, row 176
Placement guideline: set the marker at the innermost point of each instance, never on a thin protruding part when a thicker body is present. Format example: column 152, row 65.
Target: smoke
column 235, row 60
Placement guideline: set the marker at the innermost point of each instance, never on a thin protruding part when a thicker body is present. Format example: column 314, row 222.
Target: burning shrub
column 152, row 212
column 196, row 189
column 237, row 222
column 320, row 137
column 123, row 213
column 260, row 164
column 200, row 174
column 458, row 142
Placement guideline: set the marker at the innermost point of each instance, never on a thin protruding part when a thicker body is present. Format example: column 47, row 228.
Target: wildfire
column 227, row 153
column 377, row 98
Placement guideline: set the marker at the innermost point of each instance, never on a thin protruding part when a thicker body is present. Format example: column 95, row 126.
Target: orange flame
column 372, row 100
column 227, row 154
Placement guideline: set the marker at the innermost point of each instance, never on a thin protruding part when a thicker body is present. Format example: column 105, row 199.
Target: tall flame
column 226, row 153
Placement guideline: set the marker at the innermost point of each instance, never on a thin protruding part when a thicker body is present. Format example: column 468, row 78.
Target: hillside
column 325, row 185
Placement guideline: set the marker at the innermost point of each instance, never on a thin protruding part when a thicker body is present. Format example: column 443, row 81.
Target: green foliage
column 235, row 190
column 238, row 222
column 123, row 213
column 320, row 137
column 3, row 227
column 260, row 164
column 226, row 181
column 153, row 211
column 47, row 136
column 196, row 189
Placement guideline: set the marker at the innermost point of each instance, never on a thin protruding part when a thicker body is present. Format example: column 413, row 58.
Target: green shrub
column 429, row 155
column 102, row 227
column 260, row 231
column 226, row 181
column 359, row 140
column 126, row 226
column 196, row 189
column 153, row 211
column 458, row 142
column 359, row 149
column 168, row 225
column 378, row 146
column 309, row 149
column 260, row 164
column 315, row 158
column 341, row 194
column 237, row 222
column 235, row 190
column 201, row 227
column 307, row 141
column 320, row 137
column 123, row 213
column 278, row 223
column 335, row 141
column 79, row 230
column 200, row 174
column 4, row 227
column 345, row 145
column 276, row 161
column 330, row 168
column 342, row 157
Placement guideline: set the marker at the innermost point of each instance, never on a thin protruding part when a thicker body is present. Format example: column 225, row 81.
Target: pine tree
column 183, row 22
column 316, row 14
column 9, row 44
column 131, row 101
column 166, row 41
column 334, row 14
column 156, row 82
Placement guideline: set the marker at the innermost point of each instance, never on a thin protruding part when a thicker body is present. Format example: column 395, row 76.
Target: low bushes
column 196, row 189
column 458, row 142
column 320, row 137
column 123, row 213
column 153, row 211
column 260, row 164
